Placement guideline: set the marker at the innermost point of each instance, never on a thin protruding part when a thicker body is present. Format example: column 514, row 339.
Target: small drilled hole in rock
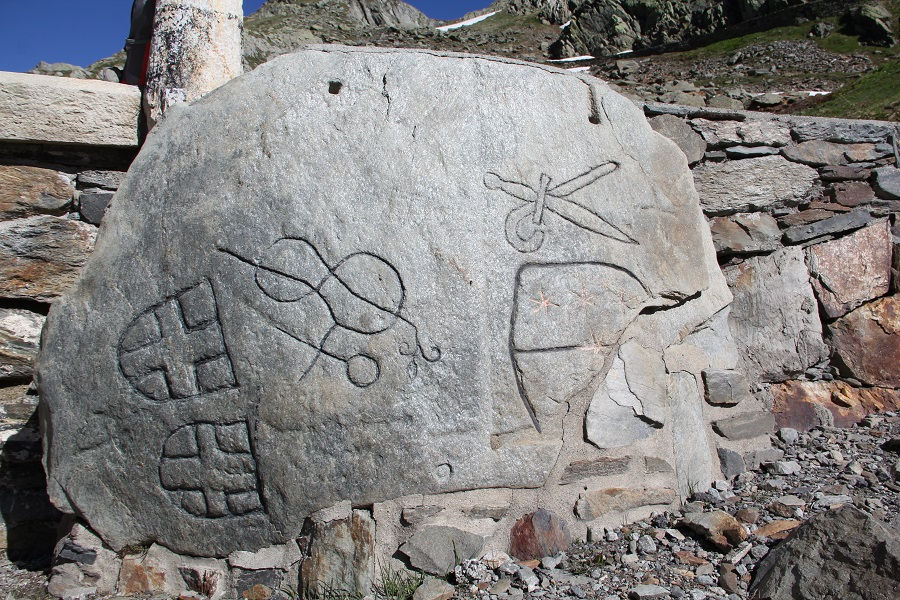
column 334, row 87
column 594, row 119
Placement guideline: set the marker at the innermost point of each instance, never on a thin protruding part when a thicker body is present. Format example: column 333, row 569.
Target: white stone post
column 196, row 47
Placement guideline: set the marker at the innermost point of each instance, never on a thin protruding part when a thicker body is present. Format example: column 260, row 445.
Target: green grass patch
column 732, row 45
column 502, row 22
column 398, row 584
column 874, row 96
column 838, row 41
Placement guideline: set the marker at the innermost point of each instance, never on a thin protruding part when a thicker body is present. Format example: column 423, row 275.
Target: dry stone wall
column 64, row 148
column 802, row 215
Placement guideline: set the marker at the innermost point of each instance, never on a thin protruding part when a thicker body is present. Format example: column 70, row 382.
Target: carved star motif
column 595, row 346
column 543, row 302
column 583, row 298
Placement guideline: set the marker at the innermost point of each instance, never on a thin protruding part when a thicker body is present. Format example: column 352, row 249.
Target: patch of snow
column 624, row 52
column 467, row 22
column 566, row 24
column 579, row 69
column 808, row 93
column 573, row 59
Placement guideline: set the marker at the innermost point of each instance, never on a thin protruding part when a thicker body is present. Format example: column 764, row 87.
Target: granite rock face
column 766, row 181
column 688, row 140
column 887, row 182
column 596, row 503
column 725, row 387
column 41, row 256
column 29, row 191
column 40, row 108
column 853, row 269
column 20, row 332
column 437, row 549
column 196, row 47
column 746, row 426
column 774, row 316
column 388, row 13
column 867, row 341
column 752, row 133
column 324, row 300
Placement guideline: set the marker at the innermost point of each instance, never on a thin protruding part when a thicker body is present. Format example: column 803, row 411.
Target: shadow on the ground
column 31, row 521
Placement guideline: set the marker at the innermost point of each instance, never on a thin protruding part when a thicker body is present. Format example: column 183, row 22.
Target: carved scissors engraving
column 525, row 227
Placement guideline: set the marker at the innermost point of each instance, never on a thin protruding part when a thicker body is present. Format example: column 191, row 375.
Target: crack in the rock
column 386, row 95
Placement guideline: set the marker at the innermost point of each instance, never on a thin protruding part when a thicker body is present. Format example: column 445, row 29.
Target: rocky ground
column 775, row 76
column 708, row 550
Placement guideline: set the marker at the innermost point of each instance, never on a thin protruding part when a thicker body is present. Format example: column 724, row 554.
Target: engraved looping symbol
column 525, row 228
column 362, row 294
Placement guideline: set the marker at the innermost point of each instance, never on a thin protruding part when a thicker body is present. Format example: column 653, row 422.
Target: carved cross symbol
column 525, row 224
column 175, row 350
column 211, row 470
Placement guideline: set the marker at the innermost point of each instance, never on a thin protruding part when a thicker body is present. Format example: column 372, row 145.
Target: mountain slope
column 726, row 54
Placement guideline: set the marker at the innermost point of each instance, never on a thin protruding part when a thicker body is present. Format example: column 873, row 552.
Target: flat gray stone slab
column 359, row 274
column 41, row 108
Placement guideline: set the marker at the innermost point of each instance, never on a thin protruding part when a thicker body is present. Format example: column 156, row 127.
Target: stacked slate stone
column 64, row 147
column 803, row 214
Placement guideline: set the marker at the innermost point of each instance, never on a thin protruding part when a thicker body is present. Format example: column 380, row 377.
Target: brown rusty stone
column 829, row 206
column 745, row 233
column 747, row 515
column 777, row 530
column 717, row 527
column 138, row 578
column 853, row 269
column 867, row 342
column 28, row 191
column 856, row 153
column 341, row 554
column 851, row 193
column 539, row 534
column 689, row 558
column 845, row 172
column 40, row 257
column 258, row 592
column 807, row 404
column 805, row 217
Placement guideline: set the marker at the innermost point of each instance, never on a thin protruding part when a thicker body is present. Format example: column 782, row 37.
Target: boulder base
column 360, row 274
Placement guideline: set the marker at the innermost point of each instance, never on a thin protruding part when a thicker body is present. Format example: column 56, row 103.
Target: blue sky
column 83, row 31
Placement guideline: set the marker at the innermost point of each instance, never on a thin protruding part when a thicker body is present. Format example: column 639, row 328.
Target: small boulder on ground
column 716, row 527
column 843, row 553
column 539, row 534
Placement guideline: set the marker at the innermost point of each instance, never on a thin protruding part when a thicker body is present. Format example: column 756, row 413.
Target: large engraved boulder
column 358, row 274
